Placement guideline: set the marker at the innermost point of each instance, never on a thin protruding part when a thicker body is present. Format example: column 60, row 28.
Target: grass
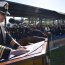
column 58, row 56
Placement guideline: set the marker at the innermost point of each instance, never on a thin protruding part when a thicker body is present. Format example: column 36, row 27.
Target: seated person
column 7, row 44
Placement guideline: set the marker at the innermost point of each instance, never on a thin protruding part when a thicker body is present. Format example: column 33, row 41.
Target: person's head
column 3, row 10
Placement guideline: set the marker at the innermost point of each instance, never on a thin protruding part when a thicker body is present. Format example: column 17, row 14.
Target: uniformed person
column 7, row 43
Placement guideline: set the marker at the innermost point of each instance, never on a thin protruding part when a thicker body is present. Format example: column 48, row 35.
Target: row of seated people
column 55, row 30
column 20, row 33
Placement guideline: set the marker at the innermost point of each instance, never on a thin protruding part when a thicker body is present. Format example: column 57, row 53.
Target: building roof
column 22, row 10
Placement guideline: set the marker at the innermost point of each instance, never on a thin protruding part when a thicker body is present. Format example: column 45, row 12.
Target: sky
column 56, row 5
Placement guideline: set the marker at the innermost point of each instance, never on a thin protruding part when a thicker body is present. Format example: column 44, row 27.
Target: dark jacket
column 6, row 45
